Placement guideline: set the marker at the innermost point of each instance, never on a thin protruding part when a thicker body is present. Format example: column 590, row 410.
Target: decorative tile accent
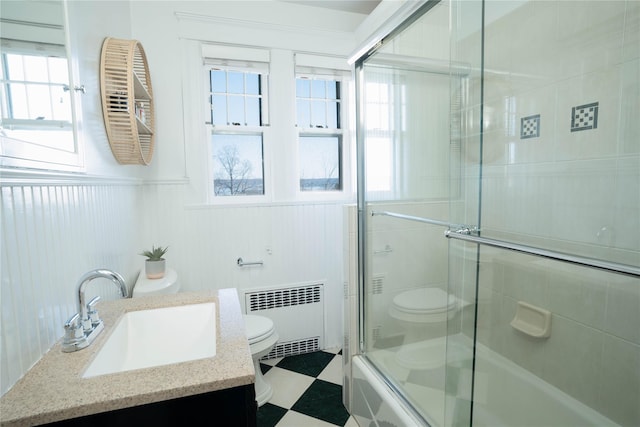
column 530, row 127
column 584, row 117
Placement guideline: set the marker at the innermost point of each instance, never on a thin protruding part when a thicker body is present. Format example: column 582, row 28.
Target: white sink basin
column 160, row 336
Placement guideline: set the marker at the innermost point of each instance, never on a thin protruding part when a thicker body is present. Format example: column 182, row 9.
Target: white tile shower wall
column 297, row 243
column 51, row 235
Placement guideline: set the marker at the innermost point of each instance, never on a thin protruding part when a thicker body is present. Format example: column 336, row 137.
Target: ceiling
column 355, row 6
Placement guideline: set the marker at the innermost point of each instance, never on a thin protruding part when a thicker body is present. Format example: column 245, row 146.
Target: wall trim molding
column 234, row 22
column 30, row 177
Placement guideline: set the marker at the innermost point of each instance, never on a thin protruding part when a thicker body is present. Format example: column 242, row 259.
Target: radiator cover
column 297, row 312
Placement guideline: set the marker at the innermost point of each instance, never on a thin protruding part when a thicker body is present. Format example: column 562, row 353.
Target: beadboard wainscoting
column 51, row 235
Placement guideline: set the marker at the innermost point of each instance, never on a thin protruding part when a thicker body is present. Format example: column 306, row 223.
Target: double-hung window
column 319, row 123
column 238, row 114
column 35, row 101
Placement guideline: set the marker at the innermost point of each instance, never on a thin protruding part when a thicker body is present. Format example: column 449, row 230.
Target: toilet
column 262, row 337
column 166, row 285
column 422, row 312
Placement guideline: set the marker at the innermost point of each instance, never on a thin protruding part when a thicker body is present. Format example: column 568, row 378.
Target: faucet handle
column 93, row 312
column 73, row 329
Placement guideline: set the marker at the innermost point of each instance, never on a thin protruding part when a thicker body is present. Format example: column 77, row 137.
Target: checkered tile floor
column 307, row 391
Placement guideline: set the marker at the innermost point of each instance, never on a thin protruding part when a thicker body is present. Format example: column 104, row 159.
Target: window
column 379, row 152
column 35, row 97
column 320, row 135
column 238, row 112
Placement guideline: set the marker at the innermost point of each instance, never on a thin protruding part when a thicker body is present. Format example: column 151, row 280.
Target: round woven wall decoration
column 127, row 101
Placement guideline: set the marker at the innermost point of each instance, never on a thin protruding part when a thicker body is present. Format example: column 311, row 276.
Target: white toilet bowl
column 421, row 311
column 262, row 337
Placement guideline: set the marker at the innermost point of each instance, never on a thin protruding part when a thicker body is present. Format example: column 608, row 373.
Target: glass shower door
column 408, row 154
column 551, row 171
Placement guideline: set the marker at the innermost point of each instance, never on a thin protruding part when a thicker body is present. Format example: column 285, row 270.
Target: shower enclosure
column 498, row 217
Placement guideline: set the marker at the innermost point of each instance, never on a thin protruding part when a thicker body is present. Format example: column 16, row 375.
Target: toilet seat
column 424, row 301
column 257, row 328
column 424, row 305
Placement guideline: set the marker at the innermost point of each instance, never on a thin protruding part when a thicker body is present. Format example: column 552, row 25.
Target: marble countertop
column 54, row 389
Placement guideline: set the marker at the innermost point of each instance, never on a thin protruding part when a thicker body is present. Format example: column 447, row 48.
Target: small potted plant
column 154, row 266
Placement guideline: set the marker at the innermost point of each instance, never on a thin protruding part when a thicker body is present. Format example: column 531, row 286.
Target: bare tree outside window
column 320, row 163
column 234, row 172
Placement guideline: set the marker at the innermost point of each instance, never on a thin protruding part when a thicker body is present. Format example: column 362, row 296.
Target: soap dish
column 531, row 320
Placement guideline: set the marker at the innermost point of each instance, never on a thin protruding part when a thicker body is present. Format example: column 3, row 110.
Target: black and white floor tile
column 307, row 391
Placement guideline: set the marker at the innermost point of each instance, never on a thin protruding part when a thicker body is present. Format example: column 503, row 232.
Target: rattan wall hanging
column 127, row 101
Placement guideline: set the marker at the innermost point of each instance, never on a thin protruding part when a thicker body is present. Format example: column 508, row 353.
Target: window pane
column 18, row 101
column 318, row 89
column 253, row 84
column 219, row 113
column 318, row 114
column 238, row 165
column 304, row 116
column 236, row 82
column 253, row 111
column 15, row 67
column 302, row 88
column 333, row 115
column 58, row 70
column 218, row 81
column 236, row 110
column 39, row 102
column 36, row 68
column 320, row 163
column 333, row 92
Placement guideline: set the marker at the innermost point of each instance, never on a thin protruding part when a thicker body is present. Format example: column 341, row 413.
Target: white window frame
column 40, row 154
column 212, row 129
column 315, row 70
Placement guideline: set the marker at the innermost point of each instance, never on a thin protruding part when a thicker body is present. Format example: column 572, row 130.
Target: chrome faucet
column 84, row 326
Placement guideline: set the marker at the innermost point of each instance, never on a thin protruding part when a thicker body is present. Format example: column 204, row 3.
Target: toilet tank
column 166, row 285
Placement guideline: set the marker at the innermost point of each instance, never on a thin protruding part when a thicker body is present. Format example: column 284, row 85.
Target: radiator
column 297, row 312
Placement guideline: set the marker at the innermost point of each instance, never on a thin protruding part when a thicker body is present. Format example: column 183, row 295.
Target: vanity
column 220, row 388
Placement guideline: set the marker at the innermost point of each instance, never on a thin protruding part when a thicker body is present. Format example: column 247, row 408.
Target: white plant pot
column 155, row 269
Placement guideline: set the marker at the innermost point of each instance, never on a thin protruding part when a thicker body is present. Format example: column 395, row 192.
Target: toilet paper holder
column 242, row 263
